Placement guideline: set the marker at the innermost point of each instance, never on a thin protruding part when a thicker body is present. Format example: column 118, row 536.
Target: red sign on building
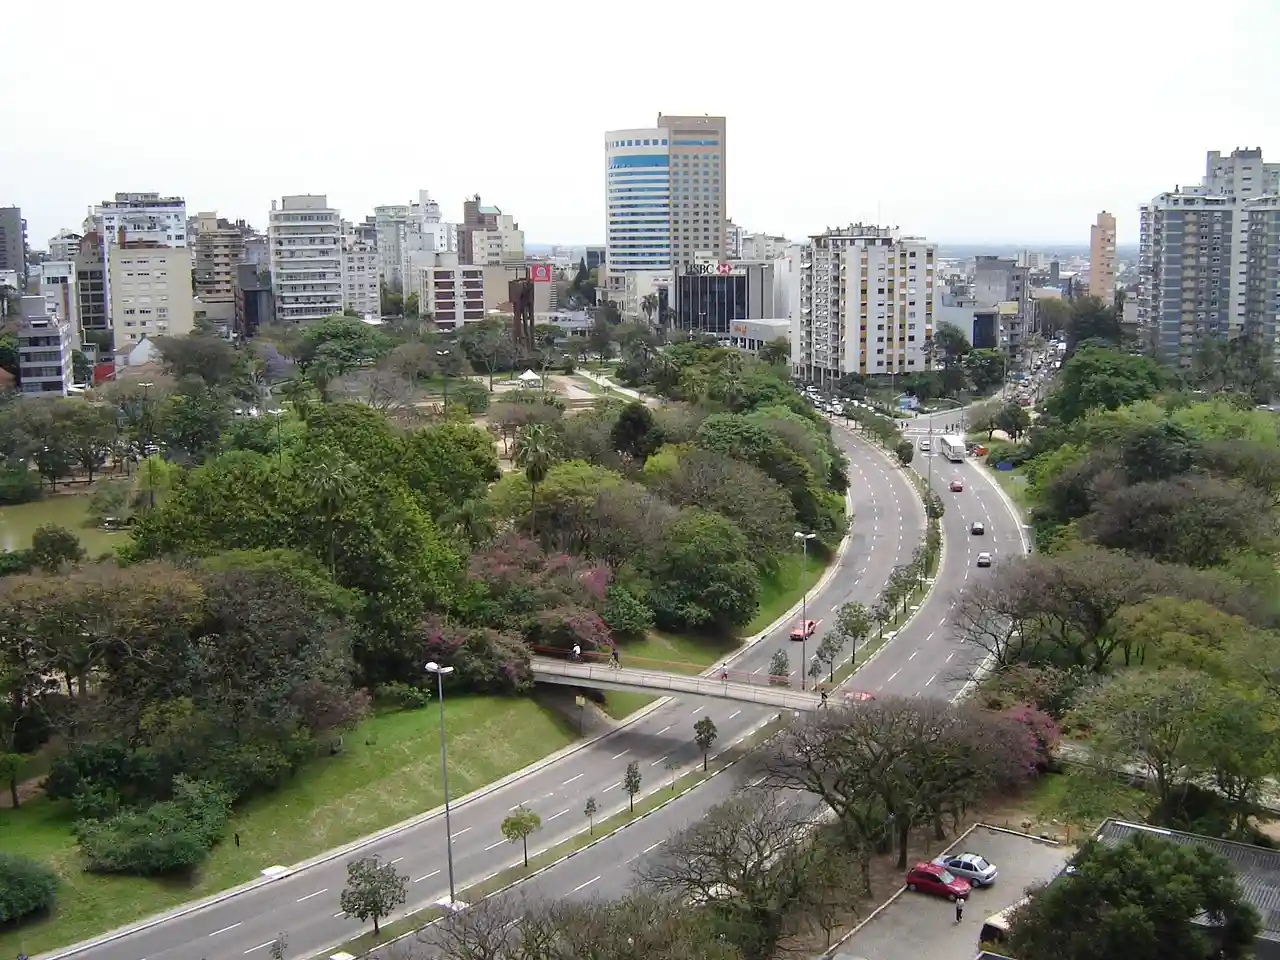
column 540, row 273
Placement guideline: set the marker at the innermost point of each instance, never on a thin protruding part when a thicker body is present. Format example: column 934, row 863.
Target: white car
column 977, row 529
column 984, row 559
column 973, row 867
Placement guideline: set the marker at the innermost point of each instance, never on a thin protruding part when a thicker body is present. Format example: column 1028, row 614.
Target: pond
column 18, row 523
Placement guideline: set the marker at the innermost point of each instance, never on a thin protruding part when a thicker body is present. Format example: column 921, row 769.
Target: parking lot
column 915, row 925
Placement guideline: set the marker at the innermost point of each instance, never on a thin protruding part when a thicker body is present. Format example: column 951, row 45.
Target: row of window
column 646, row 142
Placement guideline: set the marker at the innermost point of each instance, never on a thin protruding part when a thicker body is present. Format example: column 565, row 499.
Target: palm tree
column 665, row 370
column 649, row 304
column 471, row 520
column 298, row 392
column 535, row 452
column 322, row 372
column 729, row 390
column 332, row 481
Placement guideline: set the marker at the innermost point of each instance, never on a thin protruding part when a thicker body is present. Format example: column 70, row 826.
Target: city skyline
column 989, row 143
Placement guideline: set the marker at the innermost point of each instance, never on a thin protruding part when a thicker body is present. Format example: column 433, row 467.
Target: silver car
column 973, row 867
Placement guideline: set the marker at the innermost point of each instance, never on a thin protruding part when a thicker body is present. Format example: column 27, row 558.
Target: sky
column 965, row 122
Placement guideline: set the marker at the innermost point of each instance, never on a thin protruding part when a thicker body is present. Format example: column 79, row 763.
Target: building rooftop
column 1257, row 868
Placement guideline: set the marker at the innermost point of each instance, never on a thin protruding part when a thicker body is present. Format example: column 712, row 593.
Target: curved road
column 887, row 526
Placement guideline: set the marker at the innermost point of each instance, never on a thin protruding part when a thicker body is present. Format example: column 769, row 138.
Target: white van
column 995, row 929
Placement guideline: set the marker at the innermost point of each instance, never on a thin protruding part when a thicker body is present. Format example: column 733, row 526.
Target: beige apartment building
column 217, row 247
column 1102, row 258
column 150, row 292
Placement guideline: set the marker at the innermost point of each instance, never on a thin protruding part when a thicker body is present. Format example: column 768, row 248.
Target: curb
column 1014, row 510
column 569, row 856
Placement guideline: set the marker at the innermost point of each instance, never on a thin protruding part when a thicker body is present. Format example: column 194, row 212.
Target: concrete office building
column 306, row 258
column 1102, row 258
column 45, row 346
column 360, row 291
column 762, row 246
column 1204, row 258
column 145, row 217
column 255, row 304
column 150, row 288
column 13, row 242
column 217, row 248
column 866, row 304
column 998, row 281
column 499, row 245
column 711, row 296
column 91, row 284
column 402, row 230
column 698, row 188
column 455, row 293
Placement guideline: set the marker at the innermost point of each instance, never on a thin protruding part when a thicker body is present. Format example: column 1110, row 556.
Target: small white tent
column 529, row 377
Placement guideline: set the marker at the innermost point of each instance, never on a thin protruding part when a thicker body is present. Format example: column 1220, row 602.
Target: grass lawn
column 389, row 772
column 18, row 523
column 783, row 590
column 1014, row 483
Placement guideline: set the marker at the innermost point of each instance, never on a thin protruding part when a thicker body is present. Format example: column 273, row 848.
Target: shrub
column 404, row 695
column 473, row 396
column 905, row 452
column 485, row 660
column 624, row 613
column 166, row 837
column 26, row 887
column 18, row 484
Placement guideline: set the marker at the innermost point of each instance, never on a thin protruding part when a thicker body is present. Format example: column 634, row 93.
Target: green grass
column 71, row 510
column 783, row 590
column 1014, row 483
column 1081, row 799
column 389, row 771
column 620, row 704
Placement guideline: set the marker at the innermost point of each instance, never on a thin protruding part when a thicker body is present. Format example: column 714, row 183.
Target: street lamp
column 443, row 356
column 278, row 413
column 441, row 673
column 804, row 539
column 146, row 443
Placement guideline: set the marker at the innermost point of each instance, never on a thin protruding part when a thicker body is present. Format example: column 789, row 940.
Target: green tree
column 702, row 575
column 634, row 433
column 1092, row 320
column 374, row 889
column 53, row 546
column 631, row 784
column 411, row 306
column 905, row 451
column 448, row 464
column 1144, row 897
column 589, row 811
column 950, row 344
column 26, row 887
column 518, row 826
column 1013, row 419
column 1054, row 315
column 704, row 735
column 1097, row 377
column 193, row 419
column 333, row 482
column 986, row 367
column 206, row 357
column 780, row 668
column 345, row 342
column 775, row 351
column 534, row 453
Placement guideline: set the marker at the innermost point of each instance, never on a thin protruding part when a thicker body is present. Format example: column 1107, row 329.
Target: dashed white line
column 258, row 947
column 571, row 779
column 459, row 833
column 695, row 710
column 612, row 785
column 427, row 876
column 340, row 914
column 949, row 656
column 658, row 761
column 894, row 674
column 664, row 730
column 583, row 886
column 734, row 714
column 494, row 846
column 622, row 754
column 913, row 655
column 397, row 859
column 931, row 679
column 310, row 895
column 652, row 846
column 560, row 814
column 225, row 929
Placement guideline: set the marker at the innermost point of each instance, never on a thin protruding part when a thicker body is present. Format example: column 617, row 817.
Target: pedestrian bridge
column 771, row 691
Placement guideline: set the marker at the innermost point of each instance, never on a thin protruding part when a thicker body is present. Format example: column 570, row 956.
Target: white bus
column 954, row 449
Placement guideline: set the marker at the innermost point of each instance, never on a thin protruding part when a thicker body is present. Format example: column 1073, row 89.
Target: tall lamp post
column 441, row 673
column 804, row 539
column 442, row 357
column 146, row 443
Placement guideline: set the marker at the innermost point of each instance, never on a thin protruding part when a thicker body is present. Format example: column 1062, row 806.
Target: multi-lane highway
column 888, row 523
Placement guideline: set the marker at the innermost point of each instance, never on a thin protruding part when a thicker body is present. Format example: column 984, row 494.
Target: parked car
column 984, row 559
column 938, row 880
column 858, row 696
column 804, row 629
column 978, row 870
column 957, row 486
column 977, row 529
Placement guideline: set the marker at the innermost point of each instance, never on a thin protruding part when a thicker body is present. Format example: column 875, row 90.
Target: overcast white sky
column 987, row 120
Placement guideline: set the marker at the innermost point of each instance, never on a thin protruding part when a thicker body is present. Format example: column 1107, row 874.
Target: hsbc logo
column 710, row 270
column 540, row 273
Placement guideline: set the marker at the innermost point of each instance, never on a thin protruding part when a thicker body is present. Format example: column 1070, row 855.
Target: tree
column 534, row 452
column 193, row 419
column 1096, row 377
column 589, row 811
column 780, row 668
column 775, row 351
column 1054, row 315
column 1013, row 419
column 26, row 887
column 631, row 784
column 905, row 451
column 343, row 342
column 278, row 946
column 984, row 417
column 208, row 358
column 333, row 482
column 986, row 367
column 519, row 825
column 634, row 434
column 374, row 889
column 704, row 735
column 950, row 344
column 53, row 546
column 1093, row 321
column 702, row 575
column 1144, row 897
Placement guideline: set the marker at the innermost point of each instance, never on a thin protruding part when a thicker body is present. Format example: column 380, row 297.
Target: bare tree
column 487, row 930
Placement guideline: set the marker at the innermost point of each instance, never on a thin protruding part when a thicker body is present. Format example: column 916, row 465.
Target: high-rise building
column 145, row 217
column 698, row 188
column 217, row 247
column 91, row 284
column 865, row 304
column 306, row 258
column 1102, row 258
column 58, row 287
column 360, row 289
column 499, row 245
column 476, row 217
column 1206, row 258
column 405, row 229
column 64, row 246
column 13, row 242
column 762, row 246
column 1000, row 282
column 45, row 345
column 150, row 288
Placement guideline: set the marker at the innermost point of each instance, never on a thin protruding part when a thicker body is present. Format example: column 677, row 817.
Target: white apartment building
column 64, row 246
column 866, row 304
column 762, row 246
column 455, row 293
column 306, row 258
column 410, row 228
column 150, row 292
column 360, row 290
column 57, row 280
column 217, row 248
column 45, row 345
column 145, row 217
column 500, row 245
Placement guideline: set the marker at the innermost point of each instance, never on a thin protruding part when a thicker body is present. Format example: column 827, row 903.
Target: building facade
column 499, row 245
column 13, row 242
column 866, row 304
column 91, row 284
column 145, row 217
column 699, row 219
column 64, row 246
column 255, row 304
column 997, row 281
column 58, row 286
column 306, row 258
column 711, row 296
column 217, row 248
column 1102, row 258
column 762, row 246
column 150, row 289
column 475, row 216
column 45, row 346
column 360, row 290
column 637, row 204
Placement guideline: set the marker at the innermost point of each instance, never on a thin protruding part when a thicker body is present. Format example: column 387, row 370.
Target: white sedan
column 973, row 867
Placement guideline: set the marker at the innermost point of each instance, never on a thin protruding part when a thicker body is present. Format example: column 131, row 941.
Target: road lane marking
column 420, row 879
column 930, row 636
column 695, row 710
column 583, row 886
column 663, row 730
column 622, row 754
column 225, row 929
column 756, row 782
column 397, row 859
column 494, row 846
column 652, row 846
column 949, row 656
column 931, row 679
column 734, row 714
column 913, row 655
column 894, row 674
column 658, row 761
column 612, row 785
column 338, row 916
column 459, row 833
column 560, row 814
column 258, row 947
column 310, row 895
column 571, row 779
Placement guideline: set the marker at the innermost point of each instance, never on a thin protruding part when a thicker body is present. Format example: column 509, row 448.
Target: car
column 957, row 486
column 984, row 559
column 936, row 879
column 804, row 629
column 977, row 529
column 977, row 869
column 858, row 696
column 925, row 445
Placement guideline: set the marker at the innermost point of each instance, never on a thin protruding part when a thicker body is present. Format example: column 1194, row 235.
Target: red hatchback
column 936, row 879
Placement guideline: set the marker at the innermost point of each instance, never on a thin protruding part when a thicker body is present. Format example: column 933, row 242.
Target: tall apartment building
column 57, row 279
column 65, row 245
column 1205, row 255
column 150, row 288
column 306, row 258
column 360, row 288
column 390, row 221
column 476, row 217
column 145, row 217
column 13, row 242
column 1001, row 283
column 217, row 247
column 499, row 245
column 402, row 230
column 762, row 246
column 866, row 298
column 45, row 346
column 1102, row 258
column 91, row 284
column 665, row 197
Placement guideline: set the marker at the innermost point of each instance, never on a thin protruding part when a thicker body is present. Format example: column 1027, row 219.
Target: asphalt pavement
column 887, row 526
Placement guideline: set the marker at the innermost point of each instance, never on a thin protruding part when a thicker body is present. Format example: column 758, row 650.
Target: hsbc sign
column 713, row 270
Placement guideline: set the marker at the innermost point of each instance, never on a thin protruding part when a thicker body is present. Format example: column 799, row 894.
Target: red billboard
column 540, row 273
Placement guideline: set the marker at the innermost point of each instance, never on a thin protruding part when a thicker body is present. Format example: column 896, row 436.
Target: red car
column 936, row 879
column 858, row 696
column 804, row 629
column 957, row 486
